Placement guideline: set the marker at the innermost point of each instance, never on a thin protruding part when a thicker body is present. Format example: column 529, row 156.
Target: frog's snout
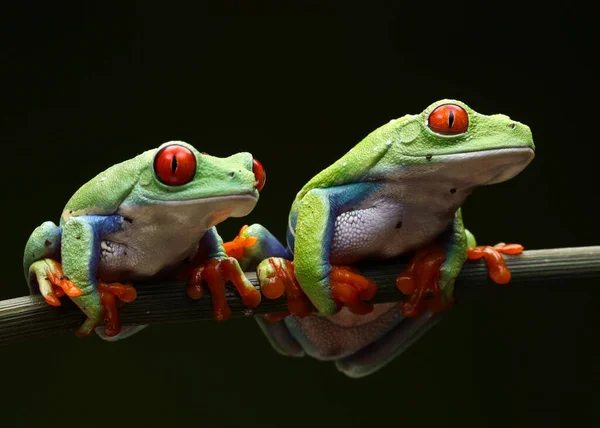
column 260, row 174
column 518, row 131
column 517, row 126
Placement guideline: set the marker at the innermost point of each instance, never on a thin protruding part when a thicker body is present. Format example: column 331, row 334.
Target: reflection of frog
column 398, row 191
column 140, row 218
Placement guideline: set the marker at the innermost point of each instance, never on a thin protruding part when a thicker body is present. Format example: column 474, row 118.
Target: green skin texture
column 219, row 184
column 401, row 145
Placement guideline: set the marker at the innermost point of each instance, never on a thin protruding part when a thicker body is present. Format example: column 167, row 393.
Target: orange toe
column 283, row 281
column 420, row 281
column 110, row 294
column 497, row 269
column 235, row 248
column 349, row 288
column 216, row 273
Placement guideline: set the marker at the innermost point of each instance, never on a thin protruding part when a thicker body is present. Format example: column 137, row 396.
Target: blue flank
column 341, row 198
column 102, row 226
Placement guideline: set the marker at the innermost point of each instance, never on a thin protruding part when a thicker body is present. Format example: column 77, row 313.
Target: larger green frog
column 399, row 191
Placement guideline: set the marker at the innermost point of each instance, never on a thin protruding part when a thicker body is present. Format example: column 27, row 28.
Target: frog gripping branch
column 145, row 217
column 398, row 192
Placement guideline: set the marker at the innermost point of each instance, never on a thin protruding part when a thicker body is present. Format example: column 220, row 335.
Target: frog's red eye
column 175, row 165
column 448, row 119
column 259, row 174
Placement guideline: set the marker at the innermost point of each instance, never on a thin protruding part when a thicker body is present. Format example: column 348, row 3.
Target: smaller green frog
column 398, row 192
column 150, row 216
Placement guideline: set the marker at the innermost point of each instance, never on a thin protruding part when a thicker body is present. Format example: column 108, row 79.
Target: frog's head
column 179, row 176
column 453, row 141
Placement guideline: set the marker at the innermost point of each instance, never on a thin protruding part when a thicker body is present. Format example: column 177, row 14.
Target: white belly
column 395, row 220
column 159, row 237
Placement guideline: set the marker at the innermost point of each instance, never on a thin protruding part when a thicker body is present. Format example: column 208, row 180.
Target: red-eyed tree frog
column 398, row 192
column 150, row 216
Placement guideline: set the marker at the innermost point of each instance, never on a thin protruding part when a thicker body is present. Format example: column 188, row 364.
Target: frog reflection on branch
column 145, row 217
column 397, row 192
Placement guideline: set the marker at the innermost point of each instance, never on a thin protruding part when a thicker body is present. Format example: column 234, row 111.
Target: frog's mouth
column 482, row 167
column 239, row 205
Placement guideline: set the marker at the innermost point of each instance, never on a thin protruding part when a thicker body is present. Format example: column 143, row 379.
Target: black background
column 87, row 86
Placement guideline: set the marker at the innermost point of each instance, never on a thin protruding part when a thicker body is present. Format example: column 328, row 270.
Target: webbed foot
column 52, row 282
column 276, row 276
column 420, row 280
column 215, row 273
column 497, row 269
column 349, row 288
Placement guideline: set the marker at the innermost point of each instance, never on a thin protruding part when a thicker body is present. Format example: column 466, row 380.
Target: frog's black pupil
column 174, row 164
column 450, row 119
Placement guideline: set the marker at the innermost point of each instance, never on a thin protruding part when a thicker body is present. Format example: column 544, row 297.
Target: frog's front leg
column 215, row 270
column 429, row 278
column 497, row 269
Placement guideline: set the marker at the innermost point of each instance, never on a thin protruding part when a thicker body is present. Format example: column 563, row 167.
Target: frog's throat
column 237, row 205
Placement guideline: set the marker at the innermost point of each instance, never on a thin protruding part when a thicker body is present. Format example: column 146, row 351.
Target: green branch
column 167, row 302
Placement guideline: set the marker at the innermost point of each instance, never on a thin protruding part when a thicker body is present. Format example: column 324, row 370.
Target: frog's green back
column 104, row 193
column 355, row 164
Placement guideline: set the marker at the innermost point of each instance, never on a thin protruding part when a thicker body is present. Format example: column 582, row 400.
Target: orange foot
column 60, row 284
column 351, row 289
column 348, row 288
column 277, row 279
column 497, row 269
column 215, row 273
column 420, row 281
column 236, row 247
column 109, row 294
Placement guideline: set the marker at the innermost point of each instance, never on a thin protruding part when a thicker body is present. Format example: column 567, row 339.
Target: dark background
column 84, row 87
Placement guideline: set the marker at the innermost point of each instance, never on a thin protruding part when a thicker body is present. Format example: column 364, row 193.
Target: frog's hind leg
column 252, row 245
column 377, row 354
column 42, row 249
column 42, row 267
column 256, row 248
column 47, row 277
column 43, row 243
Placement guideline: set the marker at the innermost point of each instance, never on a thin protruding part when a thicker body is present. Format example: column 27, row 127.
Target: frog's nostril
column 512, row 125
column 231, row 174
